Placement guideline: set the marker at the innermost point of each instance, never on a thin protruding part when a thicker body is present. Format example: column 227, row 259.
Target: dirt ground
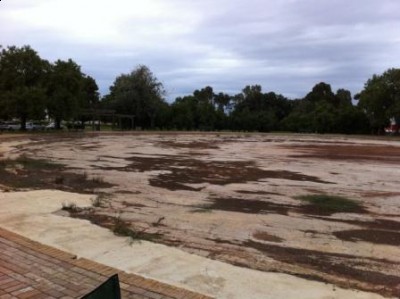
column 234, row 197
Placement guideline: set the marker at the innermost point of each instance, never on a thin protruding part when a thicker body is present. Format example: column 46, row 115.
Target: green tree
column 65, row 91
column 300, row 118
column 205, row 111
column 138, row 93
column 322, row 111
column 197, row 111
column 252, row 98
column 205, row 95
column 89, row 98
column 223, row 105
column 343, row 97
column 223, row 102
column 322, row 92
column 90, row 92
column 22, row 83
column 257, row 111
column 380, row 99
column 184, row 113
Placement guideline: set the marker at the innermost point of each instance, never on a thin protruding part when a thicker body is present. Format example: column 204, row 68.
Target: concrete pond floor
column 217, row 213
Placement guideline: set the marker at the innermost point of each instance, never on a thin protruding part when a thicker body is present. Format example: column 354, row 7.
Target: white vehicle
column 31, row 126
column 52, row 126
column 10, row 126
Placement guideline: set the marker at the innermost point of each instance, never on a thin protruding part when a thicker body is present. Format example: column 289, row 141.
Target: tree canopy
column 380, row 99
column 33, row 88
column 138, row 93
column 64, row 90
column 22, row 83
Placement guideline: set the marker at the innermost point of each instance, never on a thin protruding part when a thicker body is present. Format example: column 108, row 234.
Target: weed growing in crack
column 98, row 180
column 202, row 209
column 331, row 203
column 99, row 200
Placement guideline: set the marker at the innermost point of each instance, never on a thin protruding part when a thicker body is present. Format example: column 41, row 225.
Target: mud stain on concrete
column 346, row 266
column 248, row 206
column 251, row 206
column 198, row 145
column 264, row 236
column 28, row 173
column 378, row 153
column 257, row 192
column 183, row 171
column 368, row 235
column 380, row 224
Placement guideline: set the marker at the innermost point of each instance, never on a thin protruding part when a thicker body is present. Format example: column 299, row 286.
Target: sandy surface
column 231, row 198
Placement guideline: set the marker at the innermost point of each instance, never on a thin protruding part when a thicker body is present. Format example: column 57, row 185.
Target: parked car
column 52, row 126
column 31, row 126
column 393, row 129
column 10, row 126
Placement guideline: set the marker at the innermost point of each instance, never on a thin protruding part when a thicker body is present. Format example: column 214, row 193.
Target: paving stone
column 30, row 270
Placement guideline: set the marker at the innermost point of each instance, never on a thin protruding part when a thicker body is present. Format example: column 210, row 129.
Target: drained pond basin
column 322, row 208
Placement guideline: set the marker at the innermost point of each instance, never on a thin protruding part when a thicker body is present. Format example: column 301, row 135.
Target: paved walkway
column 32, row 270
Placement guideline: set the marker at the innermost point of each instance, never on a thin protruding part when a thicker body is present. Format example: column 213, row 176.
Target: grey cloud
column 285, row 45
column 338, row 39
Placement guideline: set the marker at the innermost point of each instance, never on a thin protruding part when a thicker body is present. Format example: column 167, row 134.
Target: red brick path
column 32, row 270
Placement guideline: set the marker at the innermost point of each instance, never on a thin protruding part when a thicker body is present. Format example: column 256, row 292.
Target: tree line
column 31, row 87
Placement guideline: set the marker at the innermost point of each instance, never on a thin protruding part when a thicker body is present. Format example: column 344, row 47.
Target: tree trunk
column 23, row 123
column 58, row 123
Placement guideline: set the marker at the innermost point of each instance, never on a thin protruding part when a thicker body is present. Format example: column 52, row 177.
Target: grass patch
column 328, row 204
column 205, row 208
column 99, row 200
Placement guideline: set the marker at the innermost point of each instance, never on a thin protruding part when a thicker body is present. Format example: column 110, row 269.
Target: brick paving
column 30, row 270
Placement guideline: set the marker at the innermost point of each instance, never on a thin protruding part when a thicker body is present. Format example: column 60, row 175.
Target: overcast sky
column 287, row 46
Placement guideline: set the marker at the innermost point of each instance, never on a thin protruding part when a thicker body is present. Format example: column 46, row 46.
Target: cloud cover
column 287, row 46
